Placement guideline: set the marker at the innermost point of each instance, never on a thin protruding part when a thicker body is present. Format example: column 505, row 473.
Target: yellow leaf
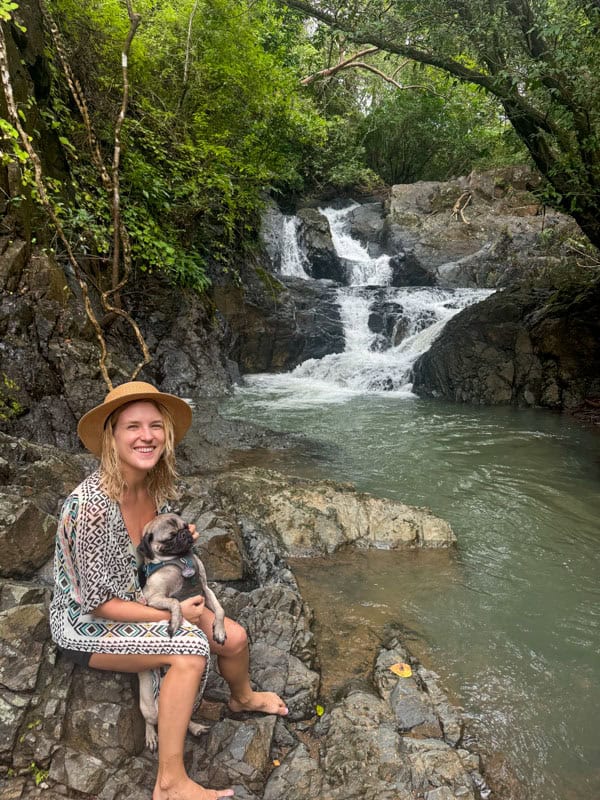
column 320, row 711
column 401, row 669
column 276, row 762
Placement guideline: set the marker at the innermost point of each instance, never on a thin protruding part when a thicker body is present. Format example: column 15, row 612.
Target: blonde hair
column 161, row 479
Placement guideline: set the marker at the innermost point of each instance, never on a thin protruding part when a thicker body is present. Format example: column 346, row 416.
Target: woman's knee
column 237, row 638
column 188, row 664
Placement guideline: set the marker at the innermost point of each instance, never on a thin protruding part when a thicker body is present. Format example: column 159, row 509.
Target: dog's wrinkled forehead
column 165, row 525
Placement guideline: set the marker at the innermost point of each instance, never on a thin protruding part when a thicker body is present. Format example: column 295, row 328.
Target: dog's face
column 166, row 536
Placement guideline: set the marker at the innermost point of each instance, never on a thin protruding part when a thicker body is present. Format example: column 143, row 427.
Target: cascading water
column 370, row 363
column 292, row 258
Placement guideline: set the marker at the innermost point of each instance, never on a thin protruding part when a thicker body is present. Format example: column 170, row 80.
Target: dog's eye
column 150, row 537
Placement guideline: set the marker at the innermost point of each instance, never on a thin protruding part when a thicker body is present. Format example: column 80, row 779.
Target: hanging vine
column 110, row 181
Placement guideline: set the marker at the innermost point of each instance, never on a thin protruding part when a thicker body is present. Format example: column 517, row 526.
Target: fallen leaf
column 401, row 669
column 276, row 762
column 320, row 711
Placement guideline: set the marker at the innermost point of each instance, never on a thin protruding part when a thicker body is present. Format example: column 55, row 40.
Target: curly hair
column 161, row 479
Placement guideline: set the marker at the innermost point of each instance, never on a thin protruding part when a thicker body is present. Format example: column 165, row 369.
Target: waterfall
column 292, row 258
column 371, row 362
column 362, row 269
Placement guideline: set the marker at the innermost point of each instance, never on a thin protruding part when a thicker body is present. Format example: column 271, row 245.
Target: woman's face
column 139, row 434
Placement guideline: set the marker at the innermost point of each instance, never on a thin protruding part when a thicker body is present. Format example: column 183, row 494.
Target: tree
column 538, row 57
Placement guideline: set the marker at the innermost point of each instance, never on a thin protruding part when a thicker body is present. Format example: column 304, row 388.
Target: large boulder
column 481, row 230
column 314, row 237
column 274, row 331
column 366, row 224
column 315, row 517
column 521, row 347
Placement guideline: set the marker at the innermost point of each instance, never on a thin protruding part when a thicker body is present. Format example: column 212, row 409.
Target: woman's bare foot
column 186, row 789
column 267, row 702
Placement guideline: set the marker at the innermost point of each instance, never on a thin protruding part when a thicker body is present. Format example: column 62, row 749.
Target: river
column 510, row 620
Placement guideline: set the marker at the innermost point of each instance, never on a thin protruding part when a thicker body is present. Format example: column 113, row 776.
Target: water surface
column 511, row 619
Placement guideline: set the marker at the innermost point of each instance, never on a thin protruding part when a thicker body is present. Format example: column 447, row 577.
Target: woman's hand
column 193, row 609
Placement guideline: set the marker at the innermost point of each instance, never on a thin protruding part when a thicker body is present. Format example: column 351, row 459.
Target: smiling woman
column 99, row 617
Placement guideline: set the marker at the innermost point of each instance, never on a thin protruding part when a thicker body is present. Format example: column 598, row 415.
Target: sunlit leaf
column 401, row 669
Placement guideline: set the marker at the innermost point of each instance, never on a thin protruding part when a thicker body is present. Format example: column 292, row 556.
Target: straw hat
column 92, row 424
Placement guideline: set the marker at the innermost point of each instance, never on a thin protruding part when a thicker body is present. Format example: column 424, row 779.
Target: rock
column 271, row 233
column 314, row 237
column 297, row 778
column 407, row 270
column 518, row 347
column 104, row 718
column 220, row 552
column 235, row 752
column 498, row 239
column 82, row 772
column 301, row 320
column 366, row 224
column 311, row 517
column 13, row 257
column 26, row 536
column 23, row 631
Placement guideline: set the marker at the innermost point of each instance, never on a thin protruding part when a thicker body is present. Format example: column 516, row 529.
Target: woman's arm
column 129, row 611
column 132, row 611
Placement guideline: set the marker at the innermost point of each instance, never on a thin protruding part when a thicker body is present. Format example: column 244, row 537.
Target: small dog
column 169, row 562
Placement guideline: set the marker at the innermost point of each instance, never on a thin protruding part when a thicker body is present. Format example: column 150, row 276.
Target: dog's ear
column 145, row 546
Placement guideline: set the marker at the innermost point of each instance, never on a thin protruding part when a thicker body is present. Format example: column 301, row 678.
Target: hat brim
column 91, row 425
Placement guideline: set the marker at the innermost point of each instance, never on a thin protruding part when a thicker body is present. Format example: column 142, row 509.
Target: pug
column 169, row 562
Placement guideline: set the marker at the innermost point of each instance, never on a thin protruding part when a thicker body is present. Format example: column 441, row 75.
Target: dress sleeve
column 91, row 539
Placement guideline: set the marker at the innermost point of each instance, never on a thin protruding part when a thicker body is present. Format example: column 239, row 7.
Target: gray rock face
column 366, row 224
column 496, row 238
column 517, row 348
column 300, row 320
column 314, row 237
column 312, row 517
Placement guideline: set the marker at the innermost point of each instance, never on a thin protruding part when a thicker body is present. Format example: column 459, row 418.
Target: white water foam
column 363, row 270
column 365, row 367
column 293, row 260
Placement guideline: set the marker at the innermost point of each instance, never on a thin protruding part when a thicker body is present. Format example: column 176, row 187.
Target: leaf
column 320, row 711
column 401, row 669
column 276, row 762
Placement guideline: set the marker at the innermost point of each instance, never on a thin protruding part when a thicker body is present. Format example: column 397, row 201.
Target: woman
column 98, row 615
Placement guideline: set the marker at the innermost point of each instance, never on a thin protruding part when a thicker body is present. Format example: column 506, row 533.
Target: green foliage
column 438, row 132
column 214, row 122
column 539, row 59
column 10, row 407
column 39, row 774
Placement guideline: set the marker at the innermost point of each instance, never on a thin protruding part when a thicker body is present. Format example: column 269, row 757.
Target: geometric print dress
column 94, row 561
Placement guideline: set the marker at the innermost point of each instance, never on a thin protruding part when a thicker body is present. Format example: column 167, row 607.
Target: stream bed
column 510, row 619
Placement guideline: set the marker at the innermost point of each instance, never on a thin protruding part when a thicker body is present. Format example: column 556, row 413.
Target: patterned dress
column 95, row 561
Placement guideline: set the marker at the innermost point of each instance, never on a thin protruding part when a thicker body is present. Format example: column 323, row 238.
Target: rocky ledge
column 68, row 732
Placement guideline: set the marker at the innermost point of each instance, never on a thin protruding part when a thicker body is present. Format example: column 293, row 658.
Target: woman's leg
column 234, row 665
column 175, row 703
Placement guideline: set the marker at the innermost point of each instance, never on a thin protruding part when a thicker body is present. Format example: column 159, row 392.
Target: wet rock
column 220, row 552
column 271, row 233
column 275, row 331
column 13, row 707
column 407, row 270
column 366, row 224
column 297, row 778
column 314, row 237
column 311, row 517
column 518, row 347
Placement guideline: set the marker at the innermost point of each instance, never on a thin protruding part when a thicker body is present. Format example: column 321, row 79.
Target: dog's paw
column 174, row 624
column 151, row 738
column 219, row 634
column 198, row 728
